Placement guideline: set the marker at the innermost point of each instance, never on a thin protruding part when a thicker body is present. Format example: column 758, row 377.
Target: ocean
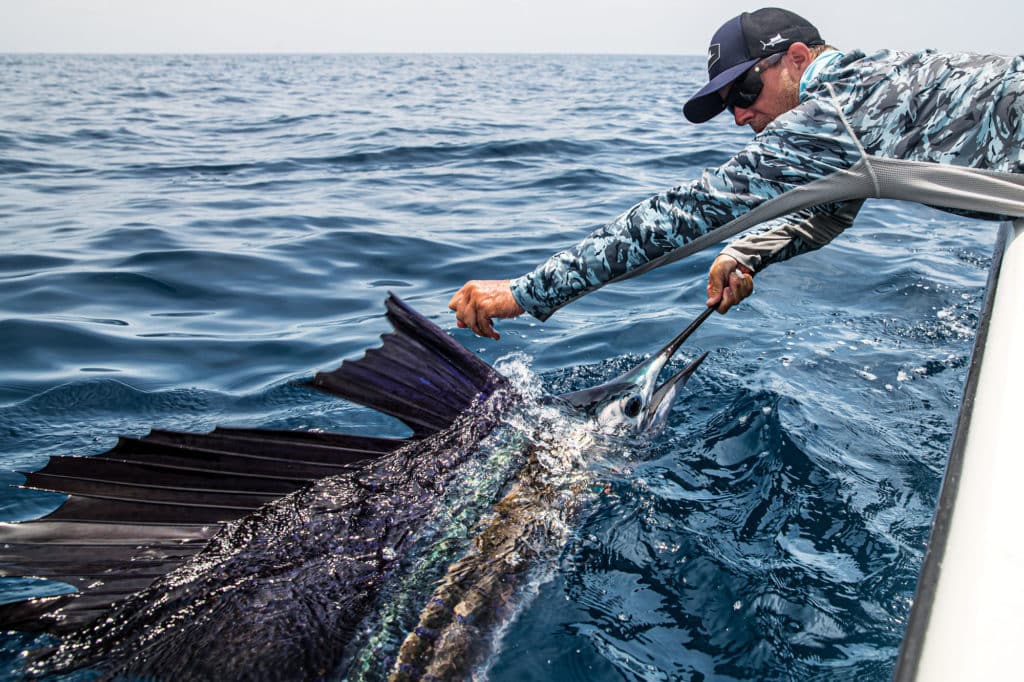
column 184, row 236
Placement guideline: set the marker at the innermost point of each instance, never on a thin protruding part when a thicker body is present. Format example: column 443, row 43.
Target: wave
column 185, row 234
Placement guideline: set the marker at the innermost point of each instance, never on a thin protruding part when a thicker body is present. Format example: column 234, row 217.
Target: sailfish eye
column 632, row 407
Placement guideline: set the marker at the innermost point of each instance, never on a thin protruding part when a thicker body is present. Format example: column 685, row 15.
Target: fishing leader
column 832, row 129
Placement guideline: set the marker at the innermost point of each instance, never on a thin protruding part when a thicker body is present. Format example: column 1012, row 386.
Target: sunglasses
column 747, row 88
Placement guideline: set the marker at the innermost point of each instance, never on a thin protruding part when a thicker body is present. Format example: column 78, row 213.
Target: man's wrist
column 747, row 262
column 521, row 288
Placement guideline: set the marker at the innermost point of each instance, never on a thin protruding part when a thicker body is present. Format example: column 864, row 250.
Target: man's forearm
column 792, row 235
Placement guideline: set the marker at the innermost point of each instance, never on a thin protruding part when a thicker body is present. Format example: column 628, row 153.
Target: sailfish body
column 254, row 554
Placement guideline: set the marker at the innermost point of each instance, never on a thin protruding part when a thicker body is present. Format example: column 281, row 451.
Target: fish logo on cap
column 776, row 39
column 714, row 54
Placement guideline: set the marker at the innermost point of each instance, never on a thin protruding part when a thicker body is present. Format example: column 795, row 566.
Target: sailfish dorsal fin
column 144, row 507
column 419, row 374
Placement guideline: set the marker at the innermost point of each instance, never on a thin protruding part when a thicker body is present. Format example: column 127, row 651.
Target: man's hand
column 479, row 300
column 728, row 283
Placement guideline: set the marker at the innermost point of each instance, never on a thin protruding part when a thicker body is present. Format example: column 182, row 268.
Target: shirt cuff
column 747, row 260
column 521, row 291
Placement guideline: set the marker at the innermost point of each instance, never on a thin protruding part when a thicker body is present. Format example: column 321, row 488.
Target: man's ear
column 800, row 56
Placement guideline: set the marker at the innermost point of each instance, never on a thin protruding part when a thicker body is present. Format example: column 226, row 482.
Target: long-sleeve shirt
column 944, row 129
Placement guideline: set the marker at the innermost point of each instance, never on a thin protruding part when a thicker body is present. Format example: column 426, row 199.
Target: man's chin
column 759, row 124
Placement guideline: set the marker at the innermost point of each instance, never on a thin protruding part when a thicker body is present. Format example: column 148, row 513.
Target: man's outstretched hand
column 728, row 283
column 479, row 300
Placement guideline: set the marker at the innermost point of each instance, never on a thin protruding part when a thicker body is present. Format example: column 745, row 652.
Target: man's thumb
column 714, row 286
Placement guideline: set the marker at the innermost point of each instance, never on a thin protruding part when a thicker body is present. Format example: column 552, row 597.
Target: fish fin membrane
column 139, row 510
column 419, row 374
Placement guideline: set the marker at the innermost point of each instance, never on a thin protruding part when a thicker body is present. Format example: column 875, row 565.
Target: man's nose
column 742, row 115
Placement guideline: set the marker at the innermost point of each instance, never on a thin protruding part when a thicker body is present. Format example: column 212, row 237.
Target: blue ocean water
column 184, row 235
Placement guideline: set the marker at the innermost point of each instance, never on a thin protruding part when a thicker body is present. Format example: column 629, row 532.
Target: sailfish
column 269, row 554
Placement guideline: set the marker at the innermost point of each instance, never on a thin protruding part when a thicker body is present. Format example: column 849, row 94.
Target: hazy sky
column 575, row 26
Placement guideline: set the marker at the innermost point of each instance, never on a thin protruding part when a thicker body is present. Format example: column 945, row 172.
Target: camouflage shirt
column 952, row 109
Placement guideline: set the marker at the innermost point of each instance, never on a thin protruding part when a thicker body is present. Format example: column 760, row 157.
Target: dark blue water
column 181, row 236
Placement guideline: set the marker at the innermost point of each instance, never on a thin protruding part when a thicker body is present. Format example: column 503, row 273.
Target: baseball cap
column 742, row 42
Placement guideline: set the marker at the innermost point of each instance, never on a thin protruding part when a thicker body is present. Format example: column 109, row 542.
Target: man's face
column 779, row 94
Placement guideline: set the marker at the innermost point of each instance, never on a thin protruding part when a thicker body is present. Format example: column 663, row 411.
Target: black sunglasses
column 746, row 89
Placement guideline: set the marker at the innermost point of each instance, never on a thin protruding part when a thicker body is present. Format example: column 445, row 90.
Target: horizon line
column 213, row 53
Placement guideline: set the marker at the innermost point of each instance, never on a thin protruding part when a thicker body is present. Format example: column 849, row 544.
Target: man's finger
column 467, row 314
column 482, row 324
column 477, row 320
column 480, row 321
column 718, row 280
column 487, row 328
column 735, row 281
column 726, row 301
column 742, row 284
column 714, row 289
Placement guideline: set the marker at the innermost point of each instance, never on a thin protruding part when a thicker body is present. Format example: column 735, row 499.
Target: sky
column 523, row 26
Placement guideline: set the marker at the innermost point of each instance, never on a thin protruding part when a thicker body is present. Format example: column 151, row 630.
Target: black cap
column 742, row 42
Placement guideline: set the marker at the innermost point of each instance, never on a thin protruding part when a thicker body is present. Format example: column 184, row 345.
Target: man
column 832, row 129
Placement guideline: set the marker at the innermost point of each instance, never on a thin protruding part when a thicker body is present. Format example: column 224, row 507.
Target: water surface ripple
column 183, row 235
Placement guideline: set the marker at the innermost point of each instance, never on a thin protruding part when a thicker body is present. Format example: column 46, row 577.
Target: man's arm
column 651, row 228
column 730, row 279
column 804, row 145
column 644, row 233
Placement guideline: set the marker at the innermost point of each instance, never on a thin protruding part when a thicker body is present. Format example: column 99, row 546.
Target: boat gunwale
column 912, row 645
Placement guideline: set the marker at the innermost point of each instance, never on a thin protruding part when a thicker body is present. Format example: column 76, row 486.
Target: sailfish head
column 634, row 402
